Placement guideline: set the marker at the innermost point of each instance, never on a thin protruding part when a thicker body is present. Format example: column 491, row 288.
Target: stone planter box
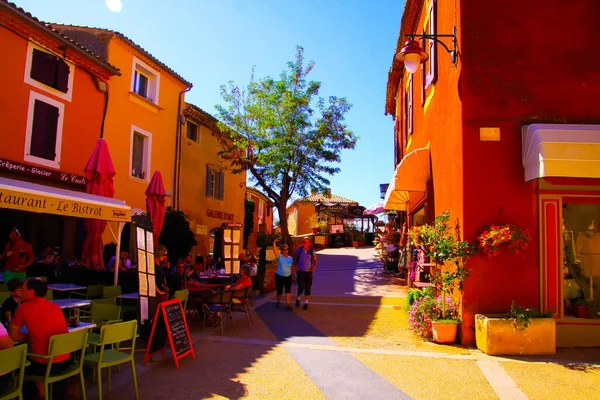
column 496, row 335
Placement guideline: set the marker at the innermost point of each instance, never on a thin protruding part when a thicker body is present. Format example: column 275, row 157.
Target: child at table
column 15, row 288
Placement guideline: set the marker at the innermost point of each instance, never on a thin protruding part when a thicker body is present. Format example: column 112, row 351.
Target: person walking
column 305, row 264
column 283, row 275
column 18, row 255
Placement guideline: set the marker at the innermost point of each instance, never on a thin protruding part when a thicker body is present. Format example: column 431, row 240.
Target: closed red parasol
column 155, row 204
column 99, row 172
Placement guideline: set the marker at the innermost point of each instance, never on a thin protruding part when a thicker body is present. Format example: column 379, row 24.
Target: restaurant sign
column 219, row 215
column 71, row 207
column 30, row 170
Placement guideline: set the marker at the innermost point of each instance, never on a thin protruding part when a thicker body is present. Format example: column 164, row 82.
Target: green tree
column 248, row 220
column 281, row 132
column 176, row 234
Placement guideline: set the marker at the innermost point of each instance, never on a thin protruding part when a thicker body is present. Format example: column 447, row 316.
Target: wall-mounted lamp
column 412, row 54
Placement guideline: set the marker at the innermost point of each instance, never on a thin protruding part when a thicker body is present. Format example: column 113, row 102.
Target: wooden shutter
column 221, row 185
column 432, row 46
column 209, row 181
column 410, row 105
column 62, row 76
column 424, row 73
column 43, row 67
column 44, row 130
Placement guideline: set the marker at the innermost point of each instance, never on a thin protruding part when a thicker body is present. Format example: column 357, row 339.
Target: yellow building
column 143, row 113
column 262, row 217
column 209, row 193
column 299, row 212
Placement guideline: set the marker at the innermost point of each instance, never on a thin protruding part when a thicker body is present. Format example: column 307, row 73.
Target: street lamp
column 412, row 54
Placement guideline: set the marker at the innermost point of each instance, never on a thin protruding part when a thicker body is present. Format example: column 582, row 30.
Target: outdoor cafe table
column 72, row 303
column 65, row 287
column 129, row 296
column 80, row 326
column 204, row 287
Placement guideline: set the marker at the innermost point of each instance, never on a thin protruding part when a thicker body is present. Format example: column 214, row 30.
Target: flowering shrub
column 427, row 309
column 497, row 236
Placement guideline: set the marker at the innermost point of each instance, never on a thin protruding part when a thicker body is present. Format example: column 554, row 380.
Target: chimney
column 313, row 191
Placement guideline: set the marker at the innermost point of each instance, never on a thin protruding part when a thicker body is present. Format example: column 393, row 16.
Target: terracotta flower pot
column 582, row 312
column 444, row 332
column 315, row 230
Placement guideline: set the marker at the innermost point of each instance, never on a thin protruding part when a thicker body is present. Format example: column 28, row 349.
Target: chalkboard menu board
column 170, row 327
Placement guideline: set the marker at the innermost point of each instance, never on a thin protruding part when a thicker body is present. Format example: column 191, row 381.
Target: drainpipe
column 178, row 141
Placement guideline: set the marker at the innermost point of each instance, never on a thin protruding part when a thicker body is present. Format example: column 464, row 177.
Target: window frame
column 42, row 86
column 33, row 96
column 431, row 29
column 197, row 140
column 147, row 153
column 153, row 90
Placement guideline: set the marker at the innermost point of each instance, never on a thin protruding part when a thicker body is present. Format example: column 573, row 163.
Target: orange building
column 143, row 123
column 209, row 193
column 51, row 116
column 262, row 217
column 299, row 212
column 499, row 126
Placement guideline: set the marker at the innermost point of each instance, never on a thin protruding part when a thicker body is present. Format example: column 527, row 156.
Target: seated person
column 210, row 262
column 43, row 319
column 244, row 280
column 124, row 261
column 179, row 267
column 46, row 256
column 9, row 307
column 199, row 264
column 252, row 263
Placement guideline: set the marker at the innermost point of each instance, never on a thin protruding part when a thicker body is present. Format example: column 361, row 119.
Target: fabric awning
column 25, row 196
column 561, row 150
column 411, row 175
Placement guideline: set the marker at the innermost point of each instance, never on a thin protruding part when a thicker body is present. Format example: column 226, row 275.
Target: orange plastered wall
column 82, row 115
column 125, row 111
column 192, row 192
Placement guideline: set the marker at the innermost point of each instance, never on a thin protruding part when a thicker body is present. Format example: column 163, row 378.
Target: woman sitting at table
column 244, row 280
column 46, row 256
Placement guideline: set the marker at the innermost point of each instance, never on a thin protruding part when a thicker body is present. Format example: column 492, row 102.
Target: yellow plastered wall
column 193, row 201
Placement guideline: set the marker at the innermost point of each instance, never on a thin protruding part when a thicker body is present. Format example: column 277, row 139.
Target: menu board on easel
column 231, row 248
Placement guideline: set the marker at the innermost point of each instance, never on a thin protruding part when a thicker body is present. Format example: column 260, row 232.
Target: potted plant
column 358, row 239
column 522, row 331
column 496, row 237
column 314, row 223
column 450, row 254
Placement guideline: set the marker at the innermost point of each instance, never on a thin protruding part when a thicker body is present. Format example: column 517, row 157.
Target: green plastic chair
column 182, row 295
column 103, row 314
column 13, row 359
column 3, row 287
column 114, row 334
column 92, row 292
column 111, row 291
column 74, row 341
column 110, row 300
column 50, row 295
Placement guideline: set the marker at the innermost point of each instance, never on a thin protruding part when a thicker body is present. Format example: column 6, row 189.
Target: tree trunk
column 283, row 223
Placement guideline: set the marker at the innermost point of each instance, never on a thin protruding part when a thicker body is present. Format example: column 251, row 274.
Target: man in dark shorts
column 305, row 263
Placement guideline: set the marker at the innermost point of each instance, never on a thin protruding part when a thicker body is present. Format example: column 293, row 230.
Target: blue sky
column 209, row 43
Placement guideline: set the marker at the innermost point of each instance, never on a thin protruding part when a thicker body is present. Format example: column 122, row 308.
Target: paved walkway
column 353, row 343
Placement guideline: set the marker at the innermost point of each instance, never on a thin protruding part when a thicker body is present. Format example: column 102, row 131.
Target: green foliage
column 176, row 234
column 286, row 137
column 248, row 220
column 358, row 236
column 522, row 316
column 416, row 294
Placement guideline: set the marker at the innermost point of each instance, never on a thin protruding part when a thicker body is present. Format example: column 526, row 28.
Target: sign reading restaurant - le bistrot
column 25, row 201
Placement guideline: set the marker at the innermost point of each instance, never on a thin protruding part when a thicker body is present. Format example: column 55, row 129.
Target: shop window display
column 581, row 260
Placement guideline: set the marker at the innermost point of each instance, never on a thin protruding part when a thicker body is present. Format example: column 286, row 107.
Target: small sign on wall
column 201, row 230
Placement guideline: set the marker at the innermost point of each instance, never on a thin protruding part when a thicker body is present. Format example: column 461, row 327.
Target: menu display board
column 170, row 328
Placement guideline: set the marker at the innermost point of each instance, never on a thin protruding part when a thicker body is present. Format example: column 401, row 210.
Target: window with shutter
column 210, row 182
column 410, row 106
column 221, row 185
column 44, row 130
column 192, row 131
column 50, row 70
column 141, row 149
column 431, row 48
column 145, row 80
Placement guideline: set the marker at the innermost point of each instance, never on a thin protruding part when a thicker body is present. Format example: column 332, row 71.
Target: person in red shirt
column 42, row 319
column 244, row 280
column 18, row 255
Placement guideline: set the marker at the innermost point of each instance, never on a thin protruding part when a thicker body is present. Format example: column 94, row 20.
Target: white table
column 130, row 296
column 72, row 303
column 65, row 287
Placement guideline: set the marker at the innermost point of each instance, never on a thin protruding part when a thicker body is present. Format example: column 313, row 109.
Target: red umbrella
column 99, row 172
column 155, row 204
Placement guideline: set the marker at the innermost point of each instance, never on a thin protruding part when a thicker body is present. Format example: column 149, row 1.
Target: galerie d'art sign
column 24, row 169
column 219, row 214
column 61, row 206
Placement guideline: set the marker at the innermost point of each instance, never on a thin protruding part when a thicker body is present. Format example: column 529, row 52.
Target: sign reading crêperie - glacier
column 24, row 169
column 219, row 215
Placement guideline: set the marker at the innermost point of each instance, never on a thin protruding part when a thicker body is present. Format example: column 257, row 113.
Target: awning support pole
column 121, row 225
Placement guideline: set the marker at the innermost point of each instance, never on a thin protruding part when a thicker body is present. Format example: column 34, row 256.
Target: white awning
column 561, row 150
column 411, row 175
column 25, row 196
